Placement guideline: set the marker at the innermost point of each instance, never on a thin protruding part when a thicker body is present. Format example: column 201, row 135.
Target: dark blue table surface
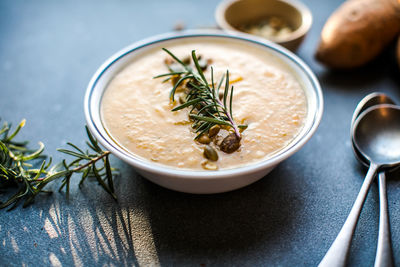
column 48, row 52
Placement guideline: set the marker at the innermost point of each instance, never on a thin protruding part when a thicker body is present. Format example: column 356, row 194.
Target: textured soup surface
column 136, row 109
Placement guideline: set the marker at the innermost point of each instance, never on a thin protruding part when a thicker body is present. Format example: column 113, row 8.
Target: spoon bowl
column 376, row 135
column 368, row 101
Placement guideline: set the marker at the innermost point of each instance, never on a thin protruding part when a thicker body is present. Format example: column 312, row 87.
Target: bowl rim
column 306, row 17
column 148, row 166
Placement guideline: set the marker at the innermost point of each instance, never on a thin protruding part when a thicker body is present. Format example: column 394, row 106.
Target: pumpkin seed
column 209, row 165
column 230, row 144
column 204, row 139
column 214, row 130
column 210, row 153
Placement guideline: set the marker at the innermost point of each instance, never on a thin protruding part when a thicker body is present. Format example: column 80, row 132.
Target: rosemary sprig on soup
column 209, row 108
column 196, row 119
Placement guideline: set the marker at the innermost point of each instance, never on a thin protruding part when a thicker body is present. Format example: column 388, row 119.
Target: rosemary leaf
column 226, row 88
column 93, row 141
column 109, row 173
column 208, row 119
column 187, row 104
column 172, row 94
column 203, row 132
column 19, row 127
column 169, row 74
column 72, row 153
column 198, row 68
column 230, row 102
column 34, row 154
column 77, row 148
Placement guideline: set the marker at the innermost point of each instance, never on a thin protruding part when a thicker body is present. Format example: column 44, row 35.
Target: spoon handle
column 384, row 257
column 337, row 253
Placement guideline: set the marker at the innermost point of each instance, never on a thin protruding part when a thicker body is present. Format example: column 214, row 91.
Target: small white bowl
column 201, row 182
column 233, row 14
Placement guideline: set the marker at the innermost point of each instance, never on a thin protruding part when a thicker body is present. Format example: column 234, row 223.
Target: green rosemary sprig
column 207, row 109
column 17, row 167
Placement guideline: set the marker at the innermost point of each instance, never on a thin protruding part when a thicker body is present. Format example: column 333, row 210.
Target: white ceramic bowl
column 201, row 182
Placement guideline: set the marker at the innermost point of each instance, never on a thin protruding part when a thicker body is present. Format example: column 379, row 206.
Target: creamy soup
column 136, row 109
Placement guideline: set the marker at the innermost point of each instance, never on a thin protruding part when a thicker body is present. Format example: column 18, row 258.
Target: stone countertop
column 50, row 50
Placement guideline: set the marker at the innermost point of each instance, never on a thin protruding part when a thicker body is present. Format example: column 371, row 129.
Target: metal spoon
column 384, row 230
column 384, row 253
column 376, row 136
column 374, row 132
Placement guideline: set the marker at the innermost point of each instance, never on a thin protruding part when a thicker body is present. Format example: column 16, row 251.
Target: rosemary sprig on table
column 207, row 109
column 17, row 167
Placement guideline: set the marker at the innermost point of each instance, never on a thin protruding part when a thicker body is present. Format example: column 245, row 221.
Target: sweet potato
column 358, row 31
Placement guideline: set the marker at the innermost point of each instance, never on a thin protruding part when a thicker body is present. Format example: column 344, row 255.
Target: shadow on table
column 151, row 225
column 227, row 225
column 383, row 68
